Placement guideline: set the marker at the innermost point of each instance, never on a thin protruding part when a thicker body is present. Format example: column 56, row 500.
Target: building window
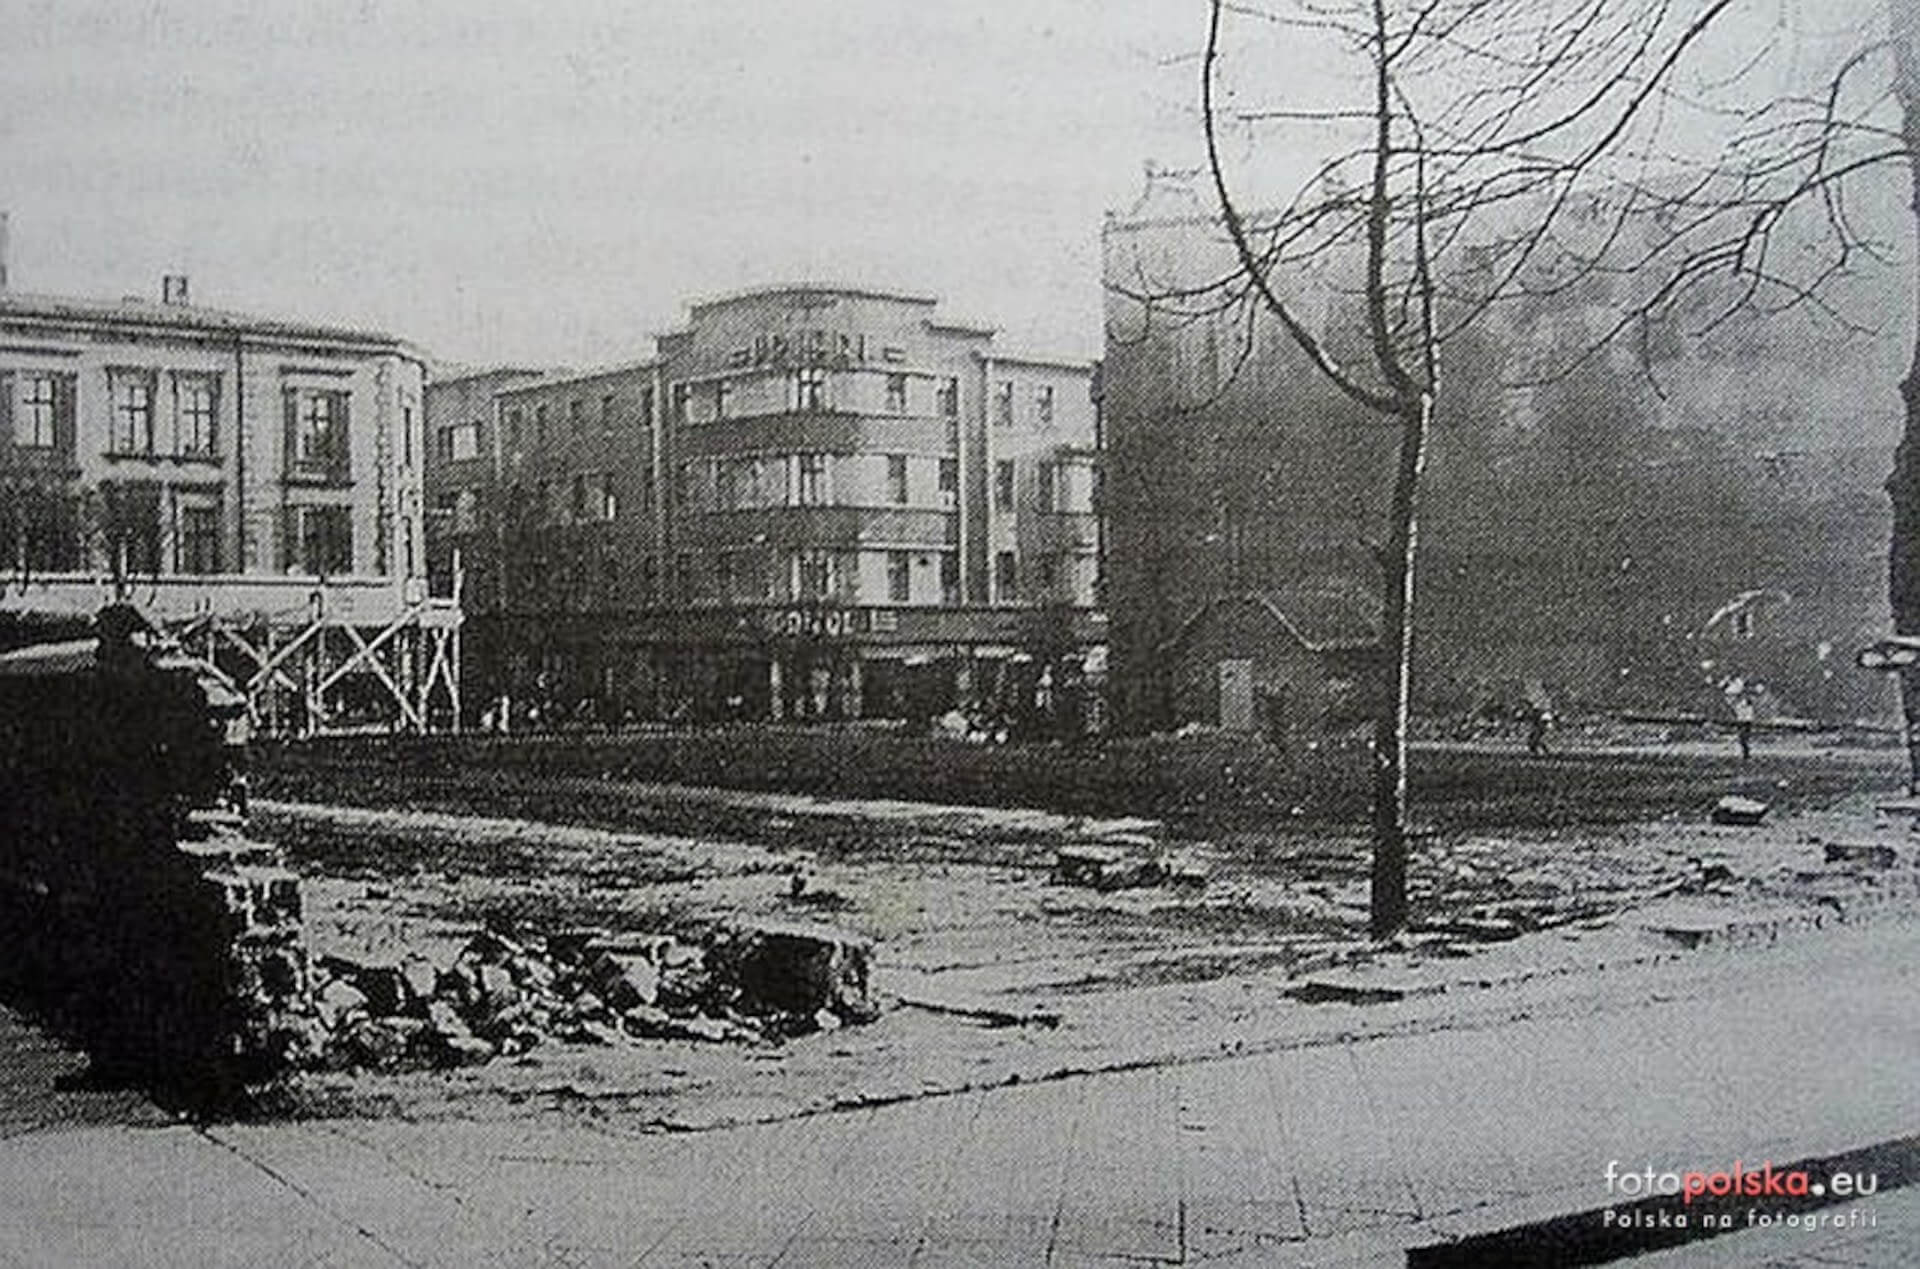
column 194, row 398
column 199, row 547
column 1049, row 487
column 326, row 540
column 609, row 498
column 1003, row 404
column 649, row 581
column 406, row 436
column 949, row 579
column 577, row 416
column 319, row 425
column 46, row 409
column 812, row 574
column 609, row 579
column 646, row 406
column 1043, row 405
column 1003, row 485
column 679, row 403
column 683, row 564
column 743, row 483
column 577, row 502
column 949, row 482
column 722, row 398
column 950, row 398
column 130, row 515
column 897, row 479
column 463, row 442
column 899, row 576
column 466, row 511
column 539, row 426
column 810, row 389
column 686, row 487
column 133, row 412
column 896, row 394
column 39, row 530
column 1006, row 577
column 726, row 575
column 810, row 485
column 646, row 491
column 1044, row 575
column 606, row 414
column 515, row 420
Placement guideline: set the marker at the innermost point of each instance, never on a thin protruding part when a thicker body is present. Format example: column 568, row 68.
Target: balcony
column 797, row 527
column 824, row 432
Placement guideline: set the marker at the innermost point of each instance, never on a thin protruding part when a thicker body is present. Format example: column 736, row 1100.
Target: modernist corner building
column 814, row 501
column 253, row 485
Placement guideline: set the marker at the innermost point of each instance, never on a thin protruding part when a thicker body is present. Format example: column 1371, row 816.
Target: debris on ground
column 1739, row 812
column 1494, row 929
column 1862, row 854
column 1360, row 990
column 781, row 967
column 1117, row 868
column 502, row 995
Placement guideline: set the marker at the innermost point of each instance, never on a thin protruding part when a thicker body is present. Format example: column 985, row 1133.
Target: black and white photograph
column 645, row 633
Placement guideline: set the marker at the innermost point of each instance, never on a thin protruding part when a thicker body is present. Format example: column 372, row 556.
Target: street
column 1326, row 1154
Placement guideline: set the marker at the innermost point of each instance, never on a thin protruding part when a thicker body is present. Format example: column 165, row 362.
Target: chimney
column 3, row 251
column 173, row 288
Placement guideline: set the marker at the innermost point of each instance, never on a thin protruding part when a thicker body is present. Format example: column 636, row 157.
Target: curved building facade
column 813, row 502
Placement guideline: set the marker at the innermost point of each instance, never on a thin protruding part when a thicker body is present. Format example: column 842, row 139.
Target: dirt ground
column 1537, row 871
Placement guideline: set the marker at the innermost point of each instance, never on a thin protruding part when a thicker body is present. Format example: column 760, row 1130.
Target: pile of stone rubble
column 503, row 994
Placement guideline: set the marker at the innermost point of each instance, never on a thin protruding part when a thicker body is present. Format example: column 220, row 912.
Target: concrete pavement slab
column 1332, row 1153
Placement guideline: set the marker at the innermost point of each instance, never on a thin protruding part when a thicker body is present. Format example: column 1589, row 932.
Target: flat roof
column 134, row 311
column 463, row 374
column 562, row 378
column 961, row 327
column 851, row 290
column 1042, row 359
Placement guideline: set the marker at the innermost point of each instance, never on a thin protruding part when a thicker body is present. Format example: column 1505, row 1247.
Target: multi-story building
column 464, row 526
column 814, row 501
column 253, row 484
column 1582, row 538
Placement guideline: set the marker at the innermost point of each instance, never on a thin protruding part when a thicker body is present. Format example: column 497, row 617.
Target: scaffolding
column 311, row 655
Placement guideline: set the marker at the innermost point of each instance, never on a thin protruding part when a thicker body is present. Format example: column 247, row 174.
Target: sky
column 551, row 182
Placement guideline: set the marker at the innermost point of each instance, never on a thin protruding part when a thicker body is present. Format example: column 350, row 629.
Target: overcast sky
column 550, row 182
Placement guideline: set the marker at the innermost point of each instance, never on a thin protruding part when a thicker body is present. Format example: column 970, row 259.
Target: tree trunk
column 1388, row 899
column 1903, row 486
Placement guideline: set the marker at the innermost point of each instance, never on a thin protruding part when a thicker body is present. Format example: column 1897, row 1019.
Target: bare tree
column 1630, row 164
column 1902, row 48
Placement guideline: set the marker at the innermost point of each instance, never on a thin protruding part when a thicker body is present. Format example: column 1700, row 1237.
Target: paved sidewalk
column 1336, row 1154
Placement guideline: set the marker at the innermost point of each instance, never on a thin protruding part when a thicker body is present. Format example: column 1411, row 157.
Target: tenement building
column 252, row 485
column 1677, row 523
column 812, row 502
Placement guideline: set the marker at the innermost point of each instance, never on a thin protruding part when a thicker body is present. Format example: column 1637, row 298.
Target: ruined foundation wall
column 134, row 913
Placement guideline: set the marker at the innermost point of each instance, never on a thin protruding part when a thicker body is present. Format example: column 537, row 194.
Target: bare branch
column 1377, row 401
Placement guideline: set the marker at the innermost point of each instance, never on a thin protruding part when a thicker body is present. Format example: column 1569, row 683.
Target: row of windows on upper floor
column 808, row 390
column 766, row 481
column 177, row 415
column 585, row 579
column 816, row 390
column 141, row 529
